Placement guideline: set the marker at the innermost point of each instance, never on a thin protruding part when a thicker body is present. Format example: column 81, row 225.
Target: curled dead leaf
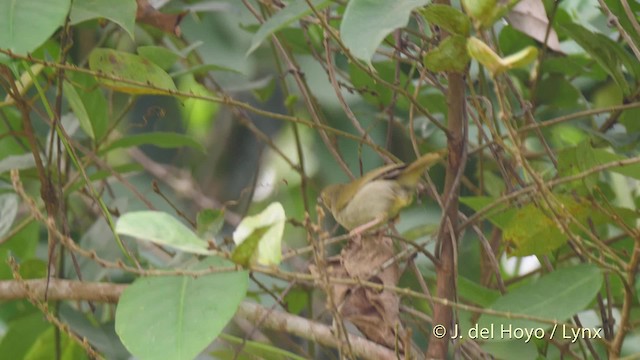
column 168, row 23
column 375, row 313
column 529, row 17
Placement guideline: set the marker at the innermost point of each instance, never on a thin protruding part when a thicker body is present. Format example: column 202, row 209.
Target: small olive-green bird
column 378, row 195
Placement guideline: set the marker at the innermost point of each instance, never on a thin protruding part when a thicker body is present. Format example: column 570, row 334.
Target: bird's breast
column 378, row 199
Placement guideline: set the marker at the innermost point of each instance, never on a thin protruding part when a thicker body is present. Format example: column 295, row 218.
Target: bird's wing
column 357, row 184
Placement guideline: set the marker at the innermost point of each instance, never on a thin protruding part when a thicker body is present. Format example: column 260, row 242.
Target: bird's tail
column 410, row 176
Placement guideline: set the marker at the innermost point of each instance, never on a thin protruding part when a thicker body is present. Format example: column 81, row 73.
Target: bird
column 378, row 196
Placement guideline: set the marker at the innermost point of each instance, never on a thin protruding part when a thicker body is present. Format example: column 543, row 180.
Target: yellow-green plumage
column 378, row 195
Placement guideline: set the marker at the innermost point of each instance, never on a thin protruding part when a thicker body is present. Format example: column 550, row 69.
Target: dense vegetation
column 161, row 164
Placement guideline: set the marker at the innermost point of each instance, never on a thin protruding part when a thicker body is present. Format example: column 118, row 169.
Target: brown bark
column 257, row 314
column 448, row 235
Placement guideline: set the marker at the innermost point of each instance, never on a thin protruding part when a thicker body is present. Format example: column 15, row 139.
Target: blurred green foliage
column 246, row 104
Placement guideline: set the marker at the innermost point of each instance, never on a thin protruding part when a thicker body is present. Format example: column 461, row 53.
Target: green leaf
column 302, row 41
column 46, row 344
column 511, row 40
column 88, row 104
column 567, row 135
column 159, row 55
column 13, row 310
column 556, row 90
column 203, row 69
column 528, row 230
column 21, row 246
column 160, row 139
column 556, row 296
column 297, row 300
column 102, row 336
column 574, row 160
column 33, row 269
column 257, row 349
column 8, row 211
column 618, row 10
column 161, row 228
column 583, row 157
column 374, row 91
column 177, row 317
column 104, row 174
column 602, row 156
column 629, row 119
column 367, row 22
column 421, row 230
column 573, row 66
column 482, row 11
column 198, row 114
column 482, row 53
column 499, row 216
column 12, row 145
column 25, row 81
column 18, row 162
column 493, row 184
column 468, row 289
column 25, row 25
column 609, row 54
column 130, row 67
column 21, row 334
column 486, row 12
column 448, row 18
column 290, row 101
column 607, row 95
column 531, row 232
column 521, row 58
column 296, row 10
column 93, row 100
column 506, row 349
column 121, row 12
column 475, row 293
column 245, row 253
column 619, row 140
column 264, row 93
column 259, row 237
column 209, row 222
column 450, row 55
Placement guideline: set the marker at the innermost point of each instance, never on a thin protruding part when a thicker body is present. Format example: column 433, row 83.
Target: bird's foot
column 357, row 232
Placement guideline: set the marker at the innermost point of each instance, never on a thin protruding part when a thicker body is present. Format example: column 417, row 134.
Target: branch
column 448, row 235
column 322, row 334
column 61, row 290
column 257, row 314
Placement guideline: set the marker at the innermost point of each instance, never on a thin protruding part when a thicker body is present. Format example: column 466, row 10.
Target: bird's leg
column 358, row 231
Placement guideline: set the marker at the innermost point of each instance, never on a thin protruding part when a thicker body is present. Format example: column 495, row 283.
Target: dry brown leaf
column 530, row 17
column 375, row 313
column 168, row 23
